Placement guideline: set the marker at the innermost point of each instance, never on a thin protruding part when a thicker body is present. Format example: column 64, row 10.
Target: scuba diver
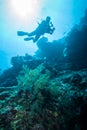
column 45, row 26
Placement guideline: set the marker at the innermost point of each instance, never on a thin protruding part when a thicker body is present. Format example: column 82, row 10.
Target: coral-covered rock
column 76, row 79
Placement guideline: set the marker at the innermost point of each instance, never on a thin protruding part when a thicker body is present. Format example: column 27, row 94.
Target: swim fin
column 21, row 33
column 28, row 39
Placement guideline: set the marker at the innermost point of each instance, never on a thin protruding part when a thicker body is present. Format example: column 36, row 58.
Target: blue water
column 43, row 83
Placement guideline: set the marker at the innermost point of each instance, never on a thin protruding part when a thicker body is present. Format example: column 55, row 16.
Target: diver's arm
column 51, row 24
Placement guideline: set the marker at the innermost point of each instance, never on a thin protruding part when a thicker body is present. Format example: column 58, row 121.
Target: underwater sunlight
column 25, row 8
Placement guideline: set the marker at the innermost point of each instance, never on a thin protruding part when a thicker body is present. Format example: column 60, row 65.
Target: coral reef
column 44, row 102
column 8, row 77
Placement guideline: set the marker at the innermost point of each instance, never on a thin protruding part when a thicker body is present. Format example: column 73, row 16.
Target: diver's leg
column 28, row 38
column 32, row 33
column 36, row 38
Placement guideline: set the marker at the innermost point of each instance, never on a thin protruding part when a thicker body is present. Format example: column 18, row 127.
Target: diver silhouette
column 45, row 26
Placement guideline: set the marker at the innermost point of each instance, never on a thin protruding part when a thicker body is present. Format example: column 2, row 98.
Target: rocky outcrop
column 70, row 51
column 77, row 44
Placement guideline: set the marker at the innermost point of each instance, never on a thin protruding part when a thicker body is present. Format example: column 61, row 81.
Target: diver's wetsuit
column 44, row 27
